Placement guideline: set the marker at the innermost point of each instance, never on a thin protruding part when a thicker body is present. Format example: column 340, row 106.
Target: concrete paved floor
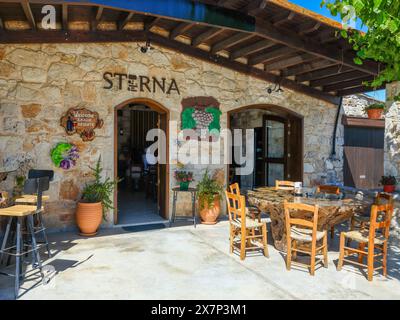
column 188, row 263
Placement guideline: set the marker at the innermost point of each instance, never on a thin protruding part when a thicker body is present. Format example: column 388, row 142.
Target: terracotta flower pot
column 89, row 217
column 375, row 113
column 389, row 188
column 210, row 215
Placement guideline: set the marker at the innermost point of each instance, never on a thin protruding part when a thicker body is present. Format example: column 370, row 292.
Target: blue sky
column 314, row 5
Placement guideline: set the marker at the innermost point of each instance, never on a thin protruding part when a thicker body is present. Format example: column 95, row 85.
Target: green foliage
column 388, row 181
column 187, row 119
column 216, row 123
column 99, row 191
column 208, row 191
column 382, row 40
column 376, row 106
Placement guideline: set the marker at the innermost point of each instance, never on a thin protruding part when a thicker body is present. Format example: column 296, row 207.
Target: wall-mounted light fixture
column 277, row 88
column 146, row 47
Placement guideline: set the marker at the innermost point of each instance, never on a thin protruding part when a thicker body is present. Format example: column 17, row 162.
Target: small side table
column 193, row 192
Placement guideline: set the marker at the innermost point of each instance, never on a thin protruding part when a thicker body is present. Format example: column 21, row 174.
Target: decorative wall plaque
column 81, row 121
column 201, row 114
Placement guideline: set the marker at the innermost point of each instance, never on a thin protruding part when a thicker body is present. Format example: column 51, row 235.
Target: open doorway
column 278, row 145
column 141, row 196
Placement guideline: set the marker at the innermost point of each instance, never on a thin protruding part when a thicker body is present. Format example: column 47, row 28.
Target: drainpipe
column 333, row 152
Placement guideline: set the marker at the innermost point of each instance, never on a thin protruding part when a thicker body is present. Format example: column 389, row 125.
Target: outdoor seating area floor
column 190, row 263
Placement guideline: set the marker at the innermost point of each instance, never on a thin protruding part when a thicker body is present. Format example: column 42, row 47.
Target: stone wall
column 39, row 83
column 392, row 132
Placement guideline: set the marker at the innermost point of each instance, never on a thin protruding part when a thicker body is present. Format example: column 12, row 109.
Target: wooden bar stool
column 17, row 215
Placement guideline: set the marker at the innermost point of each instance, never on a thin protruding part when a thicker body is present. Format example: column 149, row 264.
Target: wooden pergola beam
column 254, row 7
column 240, row 67
column 337, row 78
column 282, row 19
column 347, row 84
column 125, row 21
column 180, row 29
column 267, row 30
column 270, row 55
column 28, row 13
column 356, row 90
column 308, row 28
column 64, row 14
column 98, row 12
column 259, row 45
column 207, row 35
column 230, row 41
column 75, row 36
column 322, row 73
column 150, row 22
column 307, row 67
column 288, row 62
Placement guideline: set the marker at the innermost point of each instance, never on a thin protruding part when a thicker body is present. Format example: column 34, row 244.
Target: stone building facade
column 39, row 83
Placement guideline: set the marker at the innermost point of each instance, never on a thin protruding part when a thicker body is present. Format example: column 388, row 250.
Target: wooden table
column 332, row 211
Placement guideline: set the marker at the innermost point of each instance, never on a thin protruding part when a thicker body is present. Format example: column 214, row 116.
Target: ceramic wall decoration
column 64, row 155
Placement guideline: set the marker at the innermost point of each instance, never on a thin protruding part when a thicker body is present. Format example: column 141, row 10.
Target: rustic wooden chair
column 300, row 232
column 242, row 229
column 325, row 190
column 251, row 211
column 375, row 241
column 284, row 185
column 361, row 221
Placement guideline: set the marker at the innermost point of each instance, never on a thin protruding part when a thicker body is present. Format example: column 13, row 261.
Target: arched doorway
column 144, row 193
column 278, row 144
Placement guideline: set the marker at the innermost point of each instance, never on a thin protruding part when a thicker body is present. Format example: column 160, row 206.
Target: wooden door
column 363, row 156
column 294, row 150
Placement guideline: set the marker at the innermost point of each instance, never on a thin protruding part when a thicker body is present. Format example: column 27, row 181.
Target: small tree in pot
column 209, row 196
column 389, row 183
column 95, row 202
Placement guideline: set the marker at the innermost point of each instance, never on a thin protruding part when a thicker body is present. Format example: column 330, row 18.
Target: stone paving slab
column 188, row 263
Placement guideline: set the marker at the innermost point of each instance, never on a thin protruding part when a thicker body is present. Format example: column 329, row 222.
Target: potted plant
column 95, row 202
column 375, row 111
column 389, row 183
column 184, row 178
column 209, row 196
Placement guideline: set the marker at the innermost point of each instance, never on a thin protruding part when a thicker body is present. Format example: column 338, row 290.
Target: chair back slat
column 284, row 185
column 35, row 173
column 234, row 188
column 236, row 207
column 383, row 197
column 327, row 189
column 385, row 211
column 289, row 221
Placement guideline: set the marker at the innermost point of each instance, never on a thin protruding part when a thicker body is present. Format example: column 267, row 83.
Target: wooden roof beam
column 150, row 22
column 356, row 90
column 230, row 41
column 281, row 20
column 64, row 13
column 28, row 13
column 322, row 73
column 240, row 67
column 180, row 29
column 285, row 63
column 96, row 17
column 267, row 30
column 337, row 78
column 207, row 35
column 308, row 67
column 259, row 45
column 309, row 28
column 344, row 85
column 254, row 7
column 270, row 55
column 125, row 21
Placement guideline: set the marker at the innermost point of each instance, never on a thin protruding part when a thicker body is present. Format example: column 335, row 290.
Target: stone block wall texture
column 39, row 83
